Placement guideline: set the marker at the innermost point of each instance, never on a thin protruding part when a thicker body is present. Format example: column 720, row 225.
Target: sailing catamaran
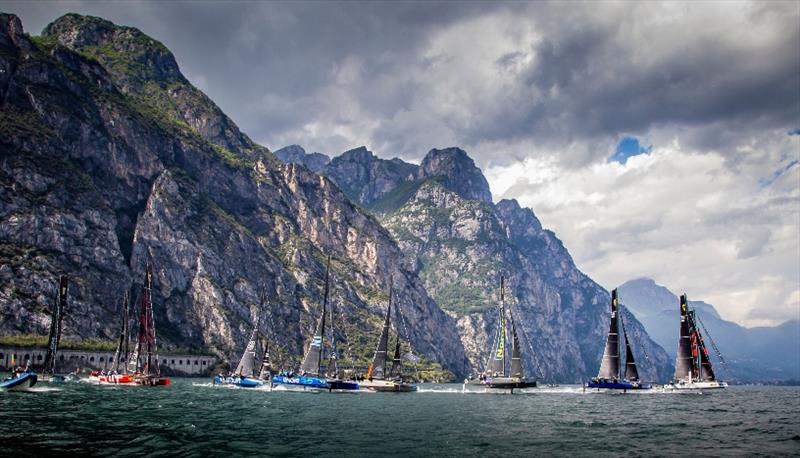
column 377, row 377
column 121, row 355
column 49, row 368
column 610, row 375
column 144, row 363
column 693, row 369
column 246, row 374
column 311, row 375
column 496, row 375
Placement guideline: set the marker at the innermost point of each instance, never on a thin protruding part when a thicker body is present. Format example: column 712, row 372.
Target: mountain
column 460, row 242
column 753, row 354
column 111, row 159
column 295, row 154
column 366, row 179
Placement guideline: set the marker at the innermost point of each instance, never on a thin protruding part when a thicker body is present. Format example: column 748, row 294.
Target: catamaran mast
column 55, row 326
column 503, row 311
column 312, row 362
column 122, row 346
column 377, row 370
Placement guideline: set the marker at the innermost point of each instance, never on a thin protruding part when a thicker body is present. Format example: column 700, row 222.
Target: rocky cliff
column 295, row 154
column 111, row 159
column 443, row 217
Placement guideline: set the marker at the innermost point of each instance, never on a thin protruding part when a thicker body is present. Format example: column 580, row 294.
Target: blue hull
column 305, row 382
column 22, row 382
column 617, row 385
column 240, row 382
column 316, row 383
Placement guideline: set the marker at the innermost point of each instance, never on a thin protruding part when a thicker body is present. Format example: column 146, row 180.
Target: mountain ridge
column 111, row 160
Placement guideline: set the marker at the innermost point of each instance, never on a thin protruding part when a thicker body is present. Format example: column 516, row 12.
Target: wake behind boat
column 497, row 375
column 693, row 370
column 610, row 375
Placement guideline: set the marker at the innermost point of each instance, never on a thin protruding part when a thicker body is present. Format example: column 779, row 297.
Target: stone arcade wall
column 185, row 364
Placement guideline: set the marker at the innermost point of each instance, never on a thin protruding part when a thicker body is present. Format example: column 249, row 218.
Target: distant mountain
column 753, row 354
column 295, row 154
column 459, row 242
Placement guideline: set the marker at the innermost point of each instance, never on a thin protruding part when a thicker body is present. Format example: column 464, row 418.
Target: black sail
column 397, row 365
column 313, row 358
column 609, row 367
column 684, row 363
column 378, row 368
column 700, row 351
column 121, row 354
column 55, row 326
column 631, row 373
column 516, row 359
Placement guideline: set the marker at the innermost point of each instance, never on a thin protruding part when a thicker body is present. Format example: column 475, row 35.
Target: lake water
column 193, row 418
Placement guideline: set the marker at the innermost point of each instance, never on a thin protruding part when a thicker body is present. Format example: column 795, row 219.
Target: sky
column 655, row 139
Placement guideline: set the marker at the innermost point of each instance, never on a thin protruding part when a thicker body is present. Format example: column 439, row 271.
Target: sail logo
column 316, row 341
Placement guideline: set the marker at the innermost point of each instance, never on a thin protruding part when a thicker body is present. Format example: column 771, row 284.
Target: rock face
column 459, row 173
column 365, row 178
column 461, row 243
column 295, row 154
column 752, row 354
column 111, row 160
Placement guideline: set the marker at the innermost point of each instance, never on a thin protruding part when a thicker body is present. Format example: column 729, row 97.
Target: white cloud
column 684, row 218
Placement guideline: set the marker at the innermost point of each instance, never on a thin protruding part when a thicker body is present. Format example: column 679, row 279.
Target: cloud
column 684, row 218
column 541, row 94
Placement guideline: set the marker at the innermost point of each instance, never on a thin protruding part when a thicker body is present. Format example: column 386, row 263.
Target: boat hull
column 504, row 383
column 151, row 380
column 696, row 386
column 617, row 385
column 20, row 383
column 302, row 382
column 243, row 382
column 388, row 386
column 314, row 383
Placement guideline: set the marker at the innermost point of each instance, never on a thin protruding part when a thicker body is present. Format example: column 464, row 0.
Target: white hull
column 387, row 386
column 690, row 386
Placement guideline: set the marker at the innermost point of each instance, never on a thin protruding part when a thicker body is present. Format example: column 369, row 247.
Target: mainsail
column 145, row 357
column 700, row 352
column 609, row 367
column 684, row 363
column 516, row 359
column 377, row 370
column 55, row 327
column 331, row 370
column 497, row 360
column 265, row 373
column 631, row 373
column 121, row 354
column 313, row 358
column 247, row 365
column 397, row 362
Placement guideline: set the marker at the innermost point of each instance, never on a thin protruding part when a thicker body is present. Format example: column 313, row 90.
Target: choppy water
column 192, row 418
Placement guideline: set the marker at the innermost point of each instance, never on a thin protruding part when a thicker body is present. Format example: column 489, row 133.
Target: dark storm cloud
column 333, row 75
